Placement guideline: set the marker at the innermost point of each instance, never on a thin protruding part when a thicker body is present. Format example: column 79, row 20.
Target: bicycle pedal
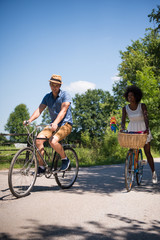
column 40, row 174
column 55, row 171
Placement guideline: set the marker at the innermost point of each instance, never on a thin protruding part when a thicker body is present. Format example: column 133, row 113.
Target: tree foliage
column 91, row 110
column 155, row 17
column 141, row 54
column 15, row 122
column 46, row 119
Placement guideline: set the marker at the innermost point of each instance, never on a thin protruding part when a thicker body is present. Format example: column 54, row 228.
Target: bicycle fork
column 135, row 159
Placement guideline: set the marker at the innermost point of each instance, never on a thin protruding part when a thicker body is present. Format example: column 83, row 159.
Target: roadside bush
column 87, row 156
column 111, row 148
column 86, row 139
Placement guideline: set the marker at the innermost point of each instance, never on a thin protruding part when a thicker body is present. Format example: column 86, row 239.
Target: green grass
column 87, row 156
column 6, row 155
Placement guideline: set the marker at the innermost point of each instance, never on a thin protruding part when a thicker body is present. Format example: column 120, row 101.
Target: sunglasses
column 54, row 85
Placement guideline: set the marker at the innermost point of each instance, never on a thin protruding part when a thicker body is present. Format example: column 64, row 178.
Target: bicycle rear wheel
column 129, row 170
column 66, row 179
column 139, row 173
column 22, row 173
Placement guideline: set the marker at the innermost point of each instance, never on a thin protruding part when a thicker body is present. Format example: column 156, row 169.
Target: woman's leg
column 149, row 156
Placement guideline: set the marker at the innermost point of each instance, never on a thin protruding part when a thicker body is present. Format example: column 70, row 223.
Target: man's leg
column 59, row 149
column 54, row 142
column 63, row 132
column 46, row 133
column 40, row 146
column 43, row 135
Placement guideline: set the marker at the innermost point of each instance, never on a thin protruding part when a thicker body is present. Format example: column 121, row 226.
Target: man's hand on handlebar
column 26, row 122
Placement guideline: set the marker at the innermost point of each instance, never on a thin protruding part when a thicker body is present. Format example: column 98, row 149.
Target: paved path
column 96, row 207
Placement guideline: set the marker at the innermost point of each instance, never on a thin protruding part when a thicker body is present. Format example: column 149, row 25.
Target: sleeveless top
column 136, row 121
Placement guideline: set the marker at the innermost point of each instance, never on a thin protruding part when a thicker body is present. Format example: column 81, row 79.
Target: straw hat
column 56, row 79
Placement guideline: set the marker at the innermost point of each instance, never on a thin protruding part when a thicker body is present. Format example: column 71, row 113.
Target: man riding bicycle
column 59, row 106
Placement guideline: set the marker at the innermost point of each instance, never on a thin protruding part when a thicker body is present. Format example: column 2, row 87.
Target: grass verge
column 87, row 156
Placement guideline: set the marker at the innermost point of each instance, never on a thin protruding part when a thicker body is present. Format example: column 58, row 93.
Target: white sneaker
column 154, row 178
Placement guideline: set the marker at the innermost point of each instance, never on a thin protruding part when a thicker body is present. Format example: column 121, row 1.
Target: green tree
column 155, row 17
column 142, row 53
column 91, row 111
column 2, row 139
column 15, row 122
column 85, row 138
column 149, row 84
column 46, row 119
column 133, row 59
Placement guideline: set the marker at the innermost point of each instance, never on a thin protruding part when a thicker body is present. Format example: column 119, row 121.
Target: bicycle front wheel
column 139, row 173
column 129, row 170
column 66, row 179
column 22, row 172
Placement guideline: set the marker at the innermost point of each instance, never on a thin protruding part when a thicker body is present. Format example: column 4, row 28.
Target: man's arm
column 61, row 115
column 37, row 112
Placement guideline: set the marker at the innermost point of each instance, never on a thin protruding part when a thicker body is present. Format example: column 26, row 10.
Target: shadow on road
column 99, row 179
column 110, row 179
column 132, row 230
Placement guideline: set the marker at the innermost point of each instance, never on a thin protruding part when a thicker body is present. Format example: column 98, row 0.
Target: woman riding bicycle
column 138, row 116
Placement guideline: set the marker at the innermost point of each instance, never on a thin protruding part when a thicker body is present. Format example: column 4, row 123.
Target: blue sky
column 77, row 39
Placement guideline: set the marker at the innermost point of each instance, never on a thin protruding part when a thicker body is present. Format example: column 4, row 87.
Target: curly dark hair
column 136, row 91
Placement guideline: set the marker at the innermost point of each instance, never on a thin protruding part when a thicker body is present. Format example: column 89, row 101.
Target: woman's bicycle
column 134, row 161
column 24, row 166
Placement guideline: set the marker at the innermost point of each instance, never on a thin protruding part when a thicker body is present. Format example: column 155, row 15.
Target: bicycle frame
column 21, row 179
column 133, row 167
column 32, row 143
column 135, row 154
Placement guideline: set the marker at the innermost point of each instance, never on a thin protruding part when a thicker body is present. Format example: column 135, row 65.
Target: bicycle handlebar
column 26, row 122
column 33, row 131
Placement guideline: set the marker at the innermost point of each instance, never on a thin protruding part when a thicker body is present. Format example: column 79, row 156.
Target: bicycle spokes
column 22, row 172
column 129, row 171
column 65, row 179
column 133, row 168
column 139, row 173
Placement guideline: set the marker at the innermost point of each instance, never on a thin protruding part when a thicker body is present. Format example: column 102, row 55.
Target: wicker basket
column 132, row 140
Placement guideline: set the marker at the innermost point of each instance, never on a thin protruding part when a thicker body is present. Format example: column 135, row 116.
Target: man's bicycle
column 24, row 165
column 134, row 161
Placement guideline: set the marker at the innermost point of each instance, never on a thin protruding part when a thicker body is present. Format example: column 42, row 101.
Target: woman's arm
column 123, row 118
column 145, row 114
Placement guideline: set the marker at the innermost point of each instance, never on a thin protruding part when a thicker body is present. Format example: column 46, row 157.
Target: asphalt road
column 96, row 207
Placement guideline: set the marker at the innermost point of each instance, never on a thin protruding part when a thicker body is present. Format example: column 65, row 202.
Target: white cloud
column 115, row 78
column 79, row 87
